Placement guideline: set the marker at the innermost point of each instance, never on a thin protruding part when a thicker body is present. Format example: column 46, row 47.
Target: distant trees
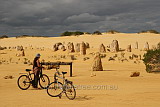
column 97, row 33
column 67, row 33
column 72, row 33
column 23, row 36
column 113, row 31
column 3, row 36
column 149, row 31
column 87, row 33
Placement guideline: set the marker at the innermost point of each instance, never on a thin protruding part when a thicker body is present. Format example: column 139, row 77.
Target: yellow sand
column 142, row 91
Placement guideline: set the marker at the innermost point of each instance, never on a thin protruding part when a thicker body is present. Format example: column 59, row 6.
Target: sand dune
column 122, row 90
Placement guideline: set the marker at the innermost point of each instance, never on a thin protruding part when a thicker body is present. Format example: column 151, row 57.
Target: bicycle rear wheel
column 70, row 91
column 23, row 82
column 44, row 81
column 55, row 89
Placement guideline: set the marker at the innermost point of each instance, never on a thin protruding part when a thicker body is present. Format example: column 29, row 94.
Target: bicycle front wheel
column 44, row 81
column 55, row 89
column 70, row 91
column 23, row 82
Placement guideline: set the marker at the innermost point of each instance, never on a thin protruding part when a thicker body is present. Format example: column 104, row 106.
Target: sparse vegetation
column 152, row 60
column 97, row 33
column 158, row 45
column 113, row 31
column 72, row 33
column 3, row 36
column 24, row 36
column 87, row 33
column 150, row 31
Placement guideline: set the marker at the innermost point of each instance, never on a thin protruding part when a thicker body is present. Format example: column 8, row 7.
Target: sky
column 53, row 17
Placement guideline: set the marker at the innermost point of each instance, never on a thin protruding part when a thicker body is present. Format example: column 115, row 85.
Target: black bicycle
column 56, row 88
column 25, row 81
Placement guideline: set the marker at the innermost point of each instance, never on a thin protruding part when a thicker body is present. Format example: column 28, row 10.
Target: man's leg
column 36, row 78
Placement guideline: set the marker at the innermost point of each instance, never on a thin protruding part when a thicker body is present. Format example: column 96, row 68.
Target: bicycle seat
column 64, row 72
column 28, row 70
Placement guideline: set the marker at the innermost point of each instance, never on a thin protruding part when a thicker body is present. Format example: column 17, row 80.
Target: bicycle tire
column 70, row 91
column 52, row 87
column 44, row 81
column 26, row 82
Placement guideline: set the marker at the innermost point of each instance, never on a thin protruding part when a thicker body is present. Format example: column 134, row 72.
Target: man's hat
column 38, row 55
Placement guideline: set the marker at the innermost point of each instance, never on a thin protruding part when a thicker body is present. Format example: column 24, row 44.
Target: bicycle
column 56, row 88
column 24, row 81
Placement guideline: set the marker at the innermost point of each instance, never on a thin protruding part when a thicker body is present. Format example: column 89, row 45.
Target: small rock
column 8, row 77
column 111, row 59
column 86, row 58
column 135, row 74
column 25, row 62
column 103, row 55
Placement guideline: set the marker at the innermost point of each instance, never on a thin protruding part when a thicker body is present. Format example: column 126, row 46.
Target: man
column 36, row 69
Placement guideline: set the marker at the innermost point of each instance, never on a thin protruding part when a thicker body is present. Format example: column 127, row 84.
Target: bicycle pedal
column 69, row 90
column 60, row 96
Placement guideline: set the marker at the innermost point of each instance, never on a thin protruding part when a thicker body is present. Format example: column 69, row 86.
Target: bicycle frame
column 56, row 75
column 26, row 79
column 63, row 87
column 65, row 81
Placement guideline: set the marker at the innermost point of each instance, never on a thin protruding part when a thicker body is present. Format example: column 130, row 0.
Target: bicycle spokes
column 55, row 89
column 70, row 91
column 23, row 82
column 43, row 80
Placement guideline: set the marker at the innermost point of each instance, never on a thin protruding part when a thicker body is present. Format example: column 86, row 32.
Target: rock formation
column 19, row 48
column 77, row 47
column 129, row 49
column 87, row 45
column 114, row 46
column 23, row 54
column 58, row 46
column 146, row 46
column 97, row 63
column 55, row 48
column 61, row 47
column 102, row 49
column 136, row 45
column 83, row 48
column 70, row 47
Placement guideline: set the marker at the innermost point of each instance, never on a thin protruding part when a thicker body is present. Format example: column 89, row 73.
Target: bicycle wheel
column 70, row 91
column 55, row 89
column 23, row 82
column 44, row 81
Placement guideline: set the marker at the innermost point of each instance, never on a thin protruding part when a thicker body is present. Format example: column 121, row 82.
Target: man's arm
column 38, row 63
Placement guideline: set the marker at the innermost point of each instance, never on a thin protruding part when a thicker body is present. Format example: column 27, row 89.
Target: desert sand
column 122, row 90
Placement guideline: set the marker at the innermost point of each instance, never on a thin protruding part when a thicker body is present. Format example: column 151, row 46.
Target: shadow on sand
column 83, row 98
column 156, row 72
column 109, row 70
column 36, row 89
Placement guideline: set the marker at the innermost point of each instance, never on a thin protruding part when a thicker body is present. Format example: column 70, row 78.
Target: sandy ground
column 121, row 90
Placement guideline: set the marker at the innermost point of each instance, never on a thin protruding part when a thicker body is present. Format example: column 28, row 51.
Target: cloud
column 49, row 17
column 83, row 18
